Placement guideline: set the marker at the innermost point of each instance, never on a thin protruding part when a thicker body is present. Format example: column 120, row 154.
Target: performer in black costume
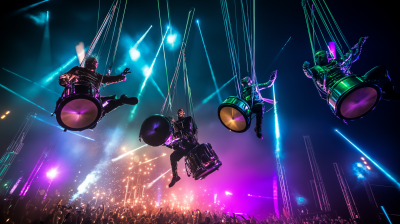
column 257, row 105
column 185, row 130
column 327, row 72
column 88, row 74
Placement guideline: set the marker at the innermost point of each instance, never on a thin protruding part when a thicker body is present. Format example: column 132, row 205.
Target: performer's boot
column 106, row 98
column 175, row 177
column 124, row 99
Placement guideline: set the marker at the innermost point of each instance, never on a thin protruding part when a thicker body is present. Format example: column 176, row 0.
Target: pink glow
column 52, row 173
column 275, row 195
column 332, row 49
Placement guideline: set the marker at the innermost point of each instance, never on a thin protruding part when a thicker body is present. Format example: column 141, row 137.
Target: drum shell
column 240, row 105
column 202, row 161
column 343, row 88
column 152, row 125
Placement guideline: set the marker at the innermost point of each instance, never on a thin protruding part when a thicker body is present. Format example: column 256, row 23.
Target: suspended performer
column 328, row 71
column 257, row 104
column 88, row 74
column 185, row 129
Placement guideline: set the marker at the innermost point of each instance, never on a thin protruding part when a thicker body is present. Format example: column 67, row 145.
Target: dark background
column 248, row 163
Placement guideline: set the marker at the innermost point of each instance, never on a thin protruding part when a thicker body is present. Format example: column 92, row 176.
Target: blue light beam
column 58, row 94
column 384, row 211
column 147, row 74
column 277, row 132
column 209, row 64
column 133, row 52
column 212, row 95
column 59, row 127
column 9, row 90
column 58, row 71
column 376, row 164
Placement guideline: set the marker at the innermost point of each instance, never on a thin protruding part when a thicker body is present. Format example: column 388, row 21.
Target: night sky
column 248, row 163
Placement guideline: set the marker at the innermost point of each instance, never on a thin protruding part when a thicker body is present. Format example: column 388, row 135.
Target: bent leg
column 175, row 157
column 380, row 76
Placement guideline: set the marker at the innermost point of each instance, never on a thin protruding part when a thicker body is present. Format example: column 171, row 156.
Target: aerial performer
column 81, row 106
column 355, row 95
column 257, row 102
column 181, row 134
column 350, row 96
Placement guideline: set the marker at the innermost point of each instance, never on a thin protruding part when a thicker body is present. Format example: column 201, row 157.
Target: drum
column 201, row 161
column 79, row 107
column 352, row 97
column 235, row 114
column 157, row 130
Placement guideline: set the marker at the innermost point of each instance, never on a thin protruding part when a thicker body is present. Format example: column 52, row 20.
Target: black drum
column 79, row 107
column 352, row 97
column 235, row 114
column 201, row 161
column 157, row 130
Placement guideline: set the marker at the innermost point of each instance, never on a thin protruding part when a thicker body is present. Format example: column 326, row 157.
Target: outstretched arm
column 354, row 53
column 271, row 81
column 114, row 79
column 309, row 72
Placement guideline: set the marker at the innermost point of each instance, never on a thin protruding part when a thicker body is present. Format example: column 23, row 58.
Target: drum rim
column 351, row 90
column 248, row 124
column 75, row 97
column 159, row 115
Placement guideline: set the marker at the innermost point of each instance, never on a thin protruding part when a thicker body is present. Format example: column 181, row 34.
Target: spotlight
column 197, row 21
column 228, row 193
column 362, row 158
column 134, row 53
column 369, row 168
column 365, row 162
column 171, row 39
column 7, row 112
column 2, row 117
column 52, row 173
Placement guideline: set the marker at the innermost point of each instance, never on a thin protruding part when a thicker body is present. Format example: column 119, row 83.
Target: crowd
column 56, row 212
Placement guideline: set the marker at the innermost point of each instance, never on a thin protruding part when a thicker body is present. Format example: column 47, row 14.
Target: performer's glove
column 362, row 40
column 273, row 76
column 306, row 64
column 125, row 72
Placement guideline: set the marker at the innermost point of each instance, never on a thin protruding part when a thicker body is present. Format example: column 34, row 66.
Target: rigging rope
column 165, row 60
column 181, row 54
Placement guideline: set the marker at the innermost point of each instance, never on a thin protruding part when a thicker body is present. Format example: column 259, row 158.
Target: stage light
column 151, row 184
column 362, row 158
column 134, row 53
column 7, row 112
column 212, row 95
column 2, row 117
column 365, row 162
column 171, row 39
column 209, row 64
column 369, row 168
column 58, row 71
column 228, row 193
column 52, row 173
column 376, row 164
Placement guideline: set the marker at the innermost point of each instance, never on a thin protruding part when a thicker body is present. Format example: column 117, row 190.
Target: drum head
column 359, row 102
column 233, row 119
column 155, row 130
column 78, row 113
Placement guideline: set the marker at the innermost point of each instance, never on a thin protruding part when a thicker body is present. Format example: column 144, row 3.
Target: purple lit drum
column 80, row 107
column 235, row 114
column 157, row 130
column 202, row 161
column 352, row 97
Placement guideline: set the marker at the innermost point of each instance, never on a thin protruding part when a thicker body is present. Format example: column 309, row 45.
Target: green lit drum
column 352, row 97
column 235, row 114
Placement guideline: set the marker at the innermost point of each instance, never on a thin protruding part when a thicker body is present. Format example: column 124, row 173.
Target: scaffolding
column 318, row 182
column 348, row 197
column 16, row 145
column 287, row 205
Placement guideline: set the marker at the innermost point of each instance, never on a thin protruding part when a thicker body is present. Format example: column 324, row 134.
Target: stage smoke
column 110, row 144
